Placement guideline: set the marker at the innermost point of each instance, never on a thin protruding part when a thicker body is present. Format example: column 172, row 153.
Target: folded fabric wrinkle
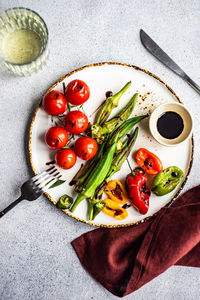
column 125, row 259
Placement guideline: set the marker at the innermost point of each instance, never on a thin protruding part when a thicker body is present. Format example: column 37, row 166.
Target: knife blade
column 157, row 52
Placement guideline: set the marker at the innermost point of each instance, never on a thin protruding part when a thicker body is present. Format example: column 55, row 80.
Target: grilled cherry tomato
column 56, row 137
column 76, row 122
column 77, row 92
column 54, row 103
column 148, row 161
column 85, row 148
column 65, row 158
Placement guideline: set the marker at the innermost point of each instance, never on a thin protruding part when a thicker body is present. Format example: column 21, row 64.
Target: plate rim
column 137, row 69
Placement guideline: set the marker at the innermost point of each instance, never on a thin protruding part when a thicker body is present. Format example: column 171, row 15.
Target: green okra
column 110, row 104
column 122, row 156
column 117, row 162
column 97, row 177
column 122, row 116
column 98, row 131
column 95, row 207
column 81, row 180
column 124, row 128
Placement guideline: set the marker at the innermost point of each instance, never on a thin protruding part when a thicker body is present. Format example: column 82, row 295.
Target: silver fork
column 35, row 187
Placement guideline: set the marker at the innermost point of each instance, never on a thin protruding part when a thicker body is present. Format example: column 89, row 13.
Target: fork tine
column 50, row 183
column 51, row 170
column 38, row 176
column 42, row 179
column 45, row 180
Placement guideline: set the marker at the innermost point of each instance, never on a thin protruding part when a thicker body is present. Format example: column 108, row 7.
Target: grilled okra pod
column 117, row 162
column 124, row 128
column 110, row 104
column 123, row 115
column 95, row 207
column 81, row 180
column 97, row 177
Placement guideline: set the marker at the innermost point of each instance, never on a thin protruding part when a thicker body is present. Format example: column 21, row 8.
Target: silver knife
column 156, row 51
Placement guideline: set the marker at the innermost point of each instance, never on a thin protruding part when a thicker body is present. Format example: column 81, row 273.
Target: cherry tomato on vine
column 85, row 148
column 76, row 122
column 77, row 92
column 56, row 137
column 54, row 103
column 65, row 158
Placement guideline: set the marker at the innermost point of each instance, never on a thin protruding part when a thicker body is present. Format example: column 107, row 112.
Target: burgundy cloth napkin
column 124, row 259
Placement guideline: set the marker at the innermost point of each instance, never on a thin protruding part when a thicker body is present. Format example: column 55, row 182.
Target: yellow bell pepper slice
column 116, row 191
column 114, row 210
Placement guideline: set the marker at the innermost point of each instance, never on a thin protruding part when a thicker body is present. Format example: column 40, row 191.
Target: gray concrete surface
column 37, row 261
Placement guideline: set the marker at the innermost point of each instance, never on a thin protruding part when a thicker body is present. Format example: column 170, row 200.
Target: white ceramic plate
column 101, row 78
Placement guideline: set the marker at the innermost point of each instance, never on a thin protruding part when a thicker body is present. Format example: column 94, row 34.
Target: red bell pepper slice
column 148, row 161
column 138, row 191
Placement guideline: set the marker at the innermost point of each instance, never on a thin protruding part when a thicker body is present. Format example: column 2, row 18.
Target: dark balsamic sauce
column 125, row 206
column 50, row 163
column 170, row 125
column 72, row 182
column 108, row 94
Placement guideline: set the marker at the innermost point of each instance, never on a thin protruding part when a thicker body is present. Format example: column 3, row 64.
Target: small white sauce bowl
column 172, row 107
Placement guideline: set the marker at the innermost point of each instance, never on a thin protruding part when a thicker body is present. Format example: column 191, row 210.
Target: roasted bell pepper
column 64, row 202
column 166, row 181
column 138, row 191
column 114, row 210
column 148, row 161
column 116, row 191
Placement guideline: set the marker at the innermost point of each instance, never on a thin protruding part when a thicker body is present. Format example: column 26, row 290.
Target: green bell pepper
column 166, row 181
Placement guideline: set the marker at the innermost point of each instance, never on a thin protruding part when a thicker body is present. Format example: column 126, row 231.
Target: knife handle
column 192, row 83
